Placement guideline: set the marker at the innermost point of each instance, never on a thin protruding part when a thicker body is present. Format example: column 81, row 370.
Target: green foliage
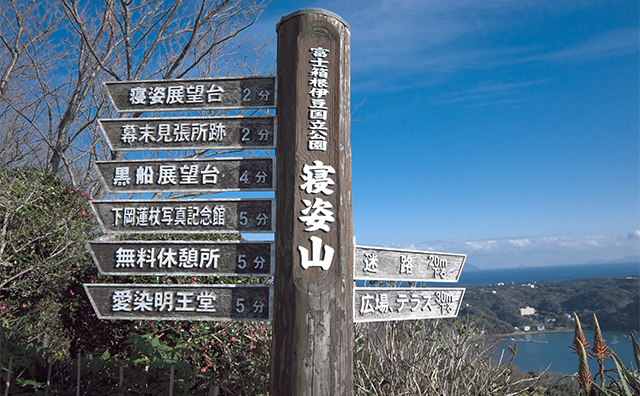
column 615, row 300
column 627, row 382
column 45, row 224
column 233, row 356
column 46, row 319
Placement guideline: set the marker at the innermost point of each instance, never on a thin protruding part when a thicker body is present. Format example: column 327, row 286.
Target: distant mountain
column 628, row 259
column 471, row 267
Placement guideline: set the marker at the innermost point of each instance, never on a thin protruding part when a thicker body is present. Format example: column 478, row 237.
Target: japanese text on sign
column 192, row 258
column 205, row 175
column 189, row 132
column 380, row 304
column 150, row 216
column 407, row 265
column 318, row 109
column 317, row 213
column 170, row 95
column 185, row 302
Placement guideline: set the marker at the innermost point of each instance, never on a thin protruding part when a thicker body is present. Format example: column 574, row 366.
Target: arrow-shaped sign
column 185, row 216
column 196, row 175
column 190, row 133
column 376, row 304
column 373, row 263
column 183, row 302
column 200, row 94
column 183, row 258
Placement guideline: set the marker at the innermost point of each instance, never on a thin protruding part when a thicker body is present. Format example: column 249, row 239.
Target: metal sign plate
column 377, row 304
column 185, row 216
column 183, row 258
column 193, row 94
column 197, row 175
column 372, row 263
column 183, row 302
column 190, row 133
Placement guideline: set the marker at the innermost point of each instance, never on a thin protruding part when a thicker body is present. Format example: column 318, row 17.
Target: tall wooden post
column 312, row 351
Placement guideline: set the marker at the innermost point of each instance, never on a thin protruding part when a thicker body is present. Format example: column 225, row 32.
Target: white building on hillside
column 527, row 311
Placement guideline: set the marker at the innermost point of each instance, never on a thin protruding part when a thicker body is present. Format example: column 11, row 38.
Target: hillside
column 616, row 302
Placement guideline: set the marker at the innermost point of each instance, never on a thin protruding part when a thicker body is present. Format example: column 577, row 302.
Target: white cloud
column 481, row 245
column 539, row 250
column 522, row 242
column 606, row 44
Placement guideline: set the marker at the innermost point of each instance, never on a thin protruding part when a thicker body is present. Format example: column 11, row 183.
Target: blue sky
column 505, row 130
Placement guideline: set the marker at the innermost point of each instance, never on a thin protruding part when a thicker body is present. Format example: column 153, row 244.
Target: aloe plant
column 627, row 382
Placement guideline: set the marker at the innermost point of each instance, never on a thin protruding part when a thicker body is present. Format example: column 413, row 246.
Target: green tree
column 45, row 224
column 46, row 318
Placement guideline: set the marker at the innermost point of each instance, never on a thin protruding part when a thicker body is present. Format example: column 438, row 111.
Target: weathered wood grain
column 313, row 322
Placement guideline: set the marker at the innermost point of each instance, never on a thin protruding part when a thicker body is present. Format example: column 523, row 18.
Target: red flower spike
column 599, row 349
column 584, row 376
column 578, row 337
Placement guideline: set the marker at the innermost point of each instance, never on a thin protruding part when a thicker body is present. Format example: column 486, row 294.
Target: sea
column 556, row 273
column 550, row 351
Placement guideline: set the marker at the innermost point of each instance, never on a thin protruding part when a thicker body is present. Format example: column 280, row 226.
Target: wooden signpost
column 182, row 258
column 313, row 260
column 312, row 347
column 376, row 304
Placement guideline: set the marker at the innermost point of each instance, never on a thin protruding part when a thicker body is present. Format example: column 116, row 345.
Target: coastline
column 520, row 333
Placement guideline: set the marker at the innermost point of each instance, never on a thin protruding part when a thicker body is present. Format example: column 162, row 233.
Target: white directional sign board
column 188, row 175
column 373, row 263
column 196, row 94
column 185, row 216
column 376, row 304
column 183, row 258
column 181, row 302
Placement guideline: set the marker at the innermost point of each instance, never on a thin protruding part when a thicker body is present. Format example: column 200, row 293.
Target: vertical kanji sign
column 313, row 287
